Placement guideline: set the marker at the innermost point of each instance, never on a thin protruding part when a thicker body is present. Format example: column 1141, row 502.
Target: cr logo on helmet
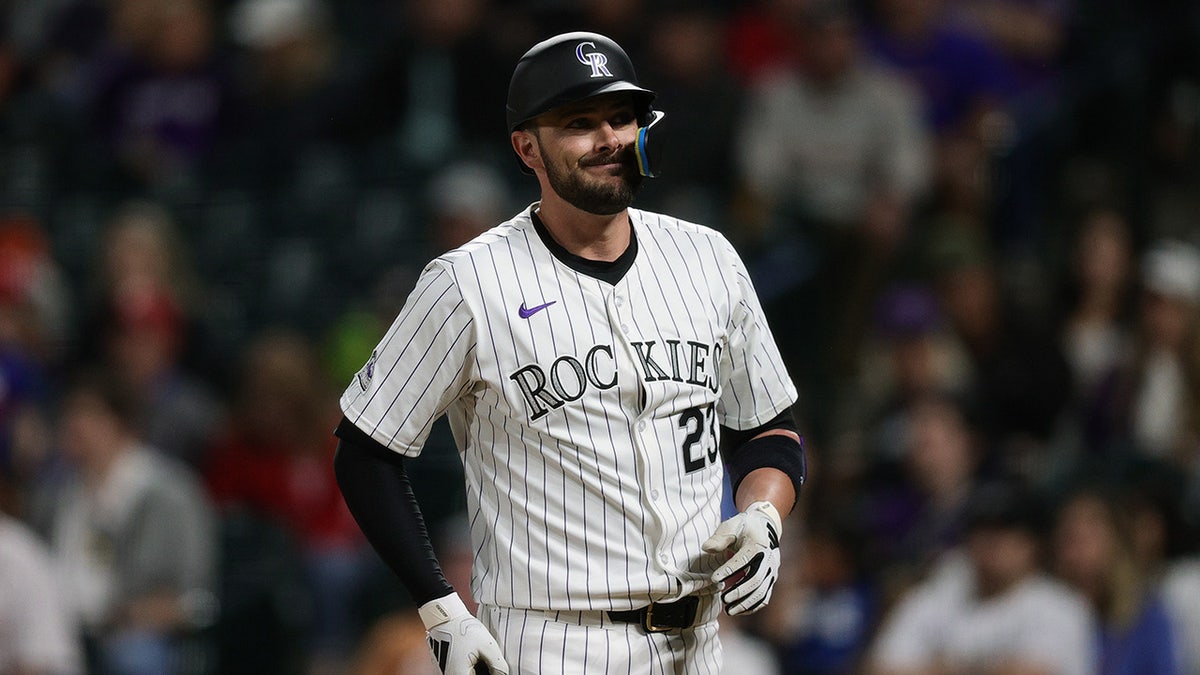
column 596, row 60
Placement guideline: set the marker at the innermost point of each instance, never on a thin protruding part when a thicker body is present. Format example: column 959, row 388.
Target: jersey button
column 618, row 300
column 624, row 328
column 641, row 426
column 654, row 494
column 664, row 558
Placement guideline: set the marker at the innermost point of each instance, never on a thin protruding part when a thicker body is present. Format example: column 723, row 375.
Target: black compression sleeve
column 743, row 453
column 732, row 439
column 377, row 490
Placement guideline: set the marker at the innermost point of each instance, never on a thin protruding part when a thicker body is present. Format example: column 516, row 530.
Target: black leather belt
column 659, row 617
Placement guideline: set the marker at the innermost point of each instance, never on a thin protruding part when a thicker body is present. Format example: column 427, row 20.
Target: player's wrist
column 446, row 608
column 768, row 509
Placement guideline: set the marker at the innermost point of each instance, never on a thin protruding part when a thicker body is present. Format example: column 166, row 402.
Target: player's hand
column 461, row 645
column 753, row 568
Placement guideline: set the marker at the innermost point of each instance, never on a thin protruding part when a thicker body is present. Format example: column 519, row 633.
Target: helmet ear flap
column 648, row 147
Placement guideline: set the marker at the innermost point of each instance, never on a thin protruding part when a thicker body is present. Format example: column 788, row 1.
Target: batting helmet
column 567, row 68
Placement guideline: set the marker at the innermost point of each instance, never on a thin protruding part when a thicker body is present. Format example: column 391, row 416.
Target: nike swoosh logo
column 525, row 313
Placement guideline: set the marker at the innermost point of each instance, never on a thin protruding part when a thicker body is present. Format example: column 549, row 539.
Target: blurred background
column 973, row 224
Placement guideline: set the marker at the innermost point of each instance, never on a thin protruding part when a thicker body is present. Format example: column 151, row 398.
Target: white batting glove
column 461, row 645
column 753, row 567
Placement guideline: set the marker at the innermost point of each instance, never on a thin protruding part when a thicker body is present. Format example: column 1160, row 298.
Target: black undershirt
column 608, row 272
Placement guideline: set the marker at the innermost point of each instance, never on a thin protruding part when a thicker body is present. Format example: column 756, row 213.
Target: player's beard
column 586, row 193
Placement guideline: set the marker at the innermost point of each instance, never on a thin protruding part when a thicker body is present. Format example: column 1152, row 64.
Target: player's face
column 587, row 149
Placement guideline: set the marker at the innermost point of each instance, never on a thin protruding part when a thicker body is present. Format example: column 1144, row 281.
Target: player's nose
column 607, row 138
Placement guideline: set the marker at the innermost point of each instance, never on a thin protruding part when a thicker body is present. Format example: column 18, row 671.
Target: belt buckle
column 648, row 621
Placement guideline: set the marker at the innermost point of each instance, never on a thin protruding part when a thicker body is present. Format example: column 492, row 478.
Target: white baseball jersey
column 586, row 413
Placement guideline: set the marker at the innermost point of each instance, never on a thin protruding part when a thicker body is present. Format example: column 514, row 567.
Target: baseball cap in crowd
column 1172, row 268
column 262, row 24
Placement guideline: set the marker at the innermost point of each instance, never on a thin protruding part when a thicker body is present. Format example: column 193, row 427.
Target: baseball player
column 601, row 367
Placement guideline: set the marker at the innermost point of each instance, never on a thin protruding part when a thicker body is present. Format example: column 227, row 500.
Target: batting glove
column 461, row 645
column 753, row 567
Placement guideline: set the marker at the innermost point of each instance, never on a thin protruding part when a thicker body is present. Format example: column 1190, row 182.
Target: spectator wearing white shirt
column 989, row 609
column 132, row 537
column 36, row 635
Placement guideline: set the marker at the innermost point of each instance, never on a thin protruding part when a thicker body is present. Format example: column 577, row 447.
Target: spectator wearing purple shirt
column 960, row 76
column 165, row 101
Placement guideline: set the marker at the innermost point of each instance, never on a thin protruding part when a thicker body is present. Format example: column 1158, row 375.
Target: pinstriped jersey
column 586, row 413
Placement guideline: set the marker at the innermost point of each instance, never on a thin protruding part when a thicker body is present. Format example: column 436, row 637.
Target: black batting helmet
column 571, row 67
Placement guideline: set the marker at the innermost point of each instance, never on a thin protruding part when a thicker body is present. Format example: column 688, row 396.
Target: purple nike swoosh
column 526, row 313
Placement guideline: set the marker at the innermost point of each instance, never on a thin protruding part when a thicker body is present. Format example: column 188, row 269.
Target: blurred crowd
column 974, row 225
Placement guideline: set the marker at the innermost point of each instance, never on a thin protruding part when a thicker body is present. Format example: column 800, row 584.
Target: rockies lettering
column 569, row 377
column 586, row 410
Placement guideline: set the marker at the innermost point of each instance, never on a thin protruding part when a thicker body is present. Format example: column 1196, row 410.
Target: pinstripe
column 511, row 503
column 621, row 475
column 427, row 385
column 683, row 303
column 495, row 516
column 570, row 434
column 656, row 662
column 416, row 301
column 542, row 652
column 553, row 343
column 520, row 642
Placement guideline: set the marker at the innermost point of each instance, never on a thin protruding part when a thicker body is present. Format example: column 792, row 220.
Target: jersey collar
column 606, row 271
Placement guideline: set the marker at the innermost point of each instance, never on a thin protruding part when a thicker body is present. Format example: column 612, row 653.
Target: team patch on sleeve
column 368, row 371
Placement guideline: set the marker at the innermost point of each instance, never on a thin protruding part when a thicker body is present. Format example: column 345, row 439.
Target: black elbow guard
column 775, row 451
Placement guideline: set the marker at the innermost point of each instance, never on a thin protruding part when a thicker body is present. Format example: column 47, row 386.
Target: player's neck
column 584, row 234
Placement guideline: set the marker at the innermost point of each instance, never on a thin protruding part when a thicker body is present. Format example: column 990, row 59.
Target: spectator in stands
column 909, row 354
column 961, row 77
column 1096, row 333
column 32, row 336
column 167, row 101
column 1093, row 552
column 1156, row 399
column 441, row 80
column 142, row 326
column 832, row 155
column 693, row 84
column 1021, row 380
column 36, row 633
column 33, row 291
column 1029, row 34
column 918, row 513
column 301, row 86
column 993, row 610
column 132, row 535
column 1165, row 547
column 1180, row 589
column 274, row 460
column 966, row 87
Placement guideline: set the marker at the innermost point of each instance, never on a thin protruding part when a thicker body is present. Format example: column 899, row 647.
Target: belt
column 659, row 617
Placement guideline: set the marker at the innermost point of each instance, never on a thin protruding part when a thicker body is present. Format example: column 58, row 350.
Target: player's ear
column 525, row 144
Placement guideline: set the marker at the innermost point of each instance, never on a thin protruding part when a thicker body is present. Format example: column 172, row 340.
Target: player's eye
column 579, row 123
column 623, row 118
